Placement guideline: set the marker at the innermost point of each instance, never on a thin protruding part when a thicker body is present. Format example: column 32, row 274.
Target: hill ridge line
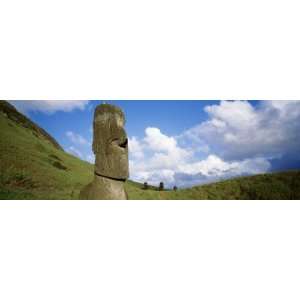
column 13, row 114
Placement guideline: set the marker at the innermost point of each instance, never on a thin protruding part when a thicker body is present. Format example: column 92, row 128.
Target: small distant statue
column 145, row 185
column 161, row 186
column 175, row 188
column 110, row 146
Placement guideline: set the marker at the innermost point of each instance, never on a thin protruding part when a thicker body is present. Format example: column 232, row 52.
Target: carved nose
column 124, row 144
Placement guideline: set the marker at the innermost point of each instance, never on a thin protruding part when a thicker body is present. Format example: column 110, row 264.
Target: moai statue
column 145, row 185
column 110, row 146
column 161, row 186
column 175, row 188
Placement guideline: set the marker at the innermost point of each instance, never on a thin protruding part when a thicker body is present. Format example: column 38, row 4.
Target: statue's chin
column 113, row 167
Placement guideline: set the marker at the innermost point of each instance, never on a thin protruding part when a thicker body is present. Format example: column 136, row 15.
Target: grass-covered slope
column 283, row 185
column 11, row 113
column 33, row 166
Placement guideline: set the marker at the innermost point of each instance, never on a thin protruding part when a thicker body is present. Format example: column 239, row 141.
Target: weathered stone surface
column 110, row 143
column 110, row 146
column 102, row 188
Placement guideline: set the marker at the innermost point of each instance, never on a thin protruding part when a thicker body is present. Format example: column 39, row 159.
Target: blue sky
column 184, row 143
column 172, row 117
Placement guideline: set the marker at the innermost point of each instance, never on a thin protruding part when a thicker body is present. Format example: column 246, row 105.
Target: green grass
column 277, row 186
column 31, row 167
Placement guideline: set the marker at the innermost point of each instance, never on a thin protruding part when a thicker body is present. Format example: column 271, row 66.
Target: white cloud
column 237, row 130
column 162, row 159
column 153, row 158
column 213, row 168
column 161, row 150
column 49, row 106
column 77, row 138
column 159, row 142
column 188, row 173
column 136, row 148
column 236, row 139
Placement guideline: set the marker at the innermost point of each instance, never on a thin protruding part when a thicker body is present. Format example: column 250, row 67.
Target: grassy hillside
column 33, row 166
column 11, row 113
column 283, row 185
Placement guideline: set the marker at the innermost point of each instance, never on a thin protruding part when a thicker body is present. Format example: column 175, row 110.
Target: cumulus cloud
column 136, row 148
column 162, row 159
column 214, row 168
column 158, row 141
column 49, row 106
column 160, row 150
column 238, row 130
column 237, row 139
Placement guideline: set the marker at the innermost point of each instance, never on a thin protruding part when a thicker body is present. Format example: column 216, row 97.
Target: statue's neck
column 109, row 188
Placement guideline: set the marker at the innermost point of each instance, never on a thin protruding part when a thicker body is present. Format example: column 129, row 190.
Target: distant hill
column 10, row 112
column 34, row 166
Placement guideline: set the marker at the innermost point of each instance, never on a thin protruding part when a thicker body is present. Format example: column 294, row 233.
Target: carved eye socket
column 124, row 145
column 120, row 143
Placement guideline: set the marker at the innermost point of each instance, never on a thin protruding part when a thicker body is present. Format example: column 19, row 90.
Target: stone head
column 110, row 143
